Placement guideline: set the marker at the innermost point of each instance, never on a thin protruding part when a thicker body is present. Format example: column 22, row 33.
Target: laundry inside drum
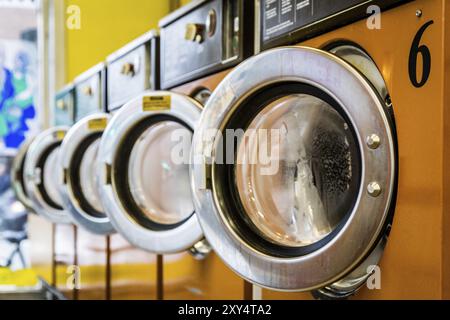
column 158, row 173
column 88, row 176
column 297, row 172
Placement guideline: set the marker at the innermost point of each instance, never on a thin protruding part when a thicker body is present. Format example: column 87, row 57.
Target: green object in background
column 3, row 126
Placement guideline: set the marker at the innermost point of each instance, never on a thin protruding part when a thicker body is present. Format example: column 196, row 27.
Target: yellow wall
column 107, row 25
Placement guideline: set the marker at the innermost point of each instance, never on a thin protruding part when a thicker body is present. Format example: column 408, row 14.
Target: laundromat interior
column 264, row 150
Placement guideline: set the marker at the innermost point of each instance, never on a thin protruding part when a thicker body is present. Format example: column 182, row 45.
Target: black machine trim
column 41, row 187
column 328, row 15
column 74, row 178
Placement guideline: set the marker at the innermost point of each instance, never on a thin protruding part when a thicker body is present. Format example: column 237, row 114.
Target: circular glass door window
column 51, row 178
column 158, row 175
column 308, row 183
column 88, row 177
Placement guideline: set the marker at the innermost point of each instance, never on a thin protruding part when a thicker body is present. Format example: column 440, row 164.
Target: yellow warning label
column 97, row 124
column 156, row 103
column 60, row 135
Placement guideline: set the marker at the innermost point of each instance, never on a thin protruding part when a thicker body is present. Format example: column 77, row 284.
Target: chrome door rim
column 177, row 239
column 37, row 148
column 351, row 90
column 360, row 60
column 82, row 130
column 17, row 176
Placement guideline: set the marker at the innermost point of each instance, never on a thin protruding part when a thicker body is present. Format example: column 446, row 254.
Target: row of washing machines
column 353, row 103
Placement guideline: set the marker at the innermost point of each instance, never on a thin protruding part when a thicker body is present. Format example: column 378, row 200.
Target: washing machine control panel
column 90, row 92
column 205, row 37
column 133, row 69
column 284, row 22
column 63, row 114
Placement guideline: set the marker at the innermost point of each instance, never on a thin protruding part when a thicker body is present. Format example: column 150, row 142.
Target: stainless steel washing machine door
column 18, row 177
column 44, row 174
column 79, row 191
column 294, row 171
column 144, row 174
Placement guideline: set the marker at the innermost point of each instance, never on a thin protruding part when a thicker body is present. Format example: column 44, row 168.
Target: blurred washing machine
column 62, row 116
column 17, row 175
column 146, row 186
column 64, row 236
column 313, row 210
column 40, row 176
column 132, row 70
column 78, row 190
column 61, row 248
